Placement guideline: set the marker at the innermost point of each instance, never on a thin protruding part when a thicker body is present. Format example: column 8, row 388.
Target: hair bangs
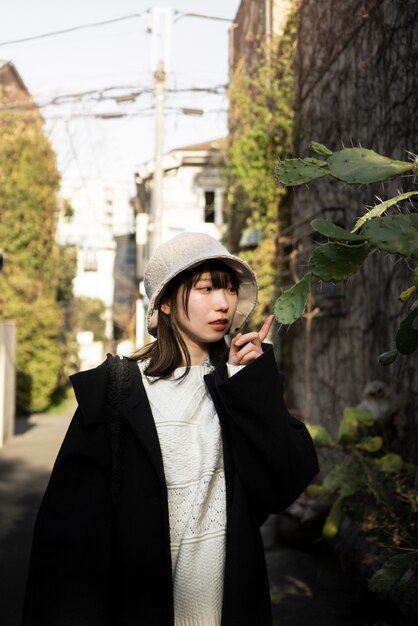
column 221, row 275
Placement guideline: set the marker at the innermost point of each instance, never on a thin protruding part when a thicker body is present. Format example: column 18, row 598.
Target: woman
column 172, row 461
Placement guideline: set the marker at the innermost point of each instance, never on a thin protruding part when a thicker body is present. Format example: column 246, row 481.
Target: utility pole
column 161, row 32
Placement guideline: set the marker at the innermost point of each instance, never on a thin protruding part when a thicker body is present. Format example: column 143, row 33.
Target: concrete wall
column 7, row 379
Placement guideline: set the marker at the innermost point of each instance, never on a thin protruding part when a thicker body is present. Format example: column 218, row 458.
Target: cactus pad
column 370, row 444
column 407, row 336
column 337, row 261
column 320, row 436
column 332, row 231
column 293, row 172
column 362, row 166
column 394, row 233
column 381, row 208
column 319, row 148
column 291, row 304
column 405, row 295
column 388, row 357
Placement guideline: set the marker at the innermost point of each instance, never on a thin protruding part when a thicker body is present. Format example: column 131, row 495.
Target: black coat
column 95, row 564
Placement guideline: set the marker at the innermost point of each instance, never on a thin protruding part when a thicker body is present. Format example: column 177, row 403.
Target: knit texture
column 191, row 445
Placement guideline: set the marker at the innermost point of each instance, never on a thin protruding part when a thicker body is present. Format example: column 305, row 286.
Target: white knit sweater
column 191, row 445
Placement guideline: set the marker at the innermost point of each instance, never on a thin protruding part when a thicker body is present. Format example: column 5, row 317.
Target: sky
column 114, row 60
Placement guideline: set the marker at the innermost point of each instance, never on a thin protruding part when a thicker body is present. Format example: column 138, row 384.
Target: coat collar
column 136, row 412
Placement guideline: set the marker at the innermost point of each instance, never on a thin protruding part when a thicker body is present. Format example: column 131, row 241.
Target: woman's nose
column 221, row 301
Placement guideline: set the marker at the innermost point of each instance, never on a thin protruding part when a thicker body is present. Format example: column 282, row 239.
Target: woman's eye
column 232, row 290
column 205, row 289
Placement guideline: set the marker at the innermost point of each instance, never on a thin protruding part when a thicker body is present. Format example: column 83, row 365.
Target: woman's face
column 209, row 312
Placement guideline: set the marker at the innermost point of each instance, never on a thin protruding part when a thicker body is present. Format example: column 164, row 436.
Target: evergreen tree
column 32, row 291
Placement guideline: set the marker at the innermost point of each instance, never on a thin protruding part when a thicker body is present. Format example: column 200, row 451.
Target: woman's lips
column 220, row 324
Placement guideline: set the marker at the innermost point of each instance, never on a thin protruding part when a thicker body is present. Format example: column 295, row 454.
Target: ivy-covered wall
column 341, row 74
column 261, row 130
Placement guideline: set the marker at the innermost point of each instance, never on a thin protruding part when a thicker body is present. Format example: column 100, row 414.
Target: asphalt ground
column 309, row 587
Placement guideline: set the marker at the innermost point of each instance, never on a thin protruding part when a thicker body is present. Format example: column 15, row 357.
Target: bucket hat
column 188, row 250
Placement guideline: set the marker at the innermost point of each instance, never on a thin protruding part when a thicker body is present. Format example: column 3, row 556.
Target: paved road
column 308, row 588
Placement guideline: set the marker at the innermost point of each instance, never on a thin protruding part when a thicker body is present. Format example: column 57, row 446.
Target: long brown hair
column 166, row 353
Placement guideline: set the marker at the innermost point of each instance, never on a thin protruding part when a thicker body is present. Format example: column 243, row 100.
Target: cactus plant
column 370, row 444
column 407, row 336
column 337, row 261
column 291, row 304
column 294, row 172
column 352, row 165
column 359, row 165
column 386, row 358
column 319, row 148
column 355, row 420
column 333, row 231
column 394, row 233
column 405, row 295
column 379, row 209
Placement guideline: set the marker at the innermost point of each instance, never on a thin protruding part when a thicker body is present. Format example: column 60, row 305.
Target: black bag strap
column 118, row 388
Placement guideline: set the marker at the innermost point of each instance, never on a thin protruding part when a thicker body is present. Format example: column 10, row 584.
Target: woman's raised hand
column 246, row 348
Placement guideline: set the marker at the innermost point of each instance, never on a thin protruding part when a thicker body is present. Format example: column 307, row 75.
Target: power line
column 114, row 20
column 98, row 95
column 206, row 17
column 64, row 31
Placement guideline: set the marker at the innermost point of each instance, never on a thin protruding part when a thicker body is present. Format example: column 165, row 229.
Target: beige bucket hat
column 186, row 251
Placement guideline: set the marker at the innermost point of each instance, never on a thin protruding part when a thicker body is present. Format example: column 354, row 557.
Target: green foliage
column 320, row 436
column 386, row 358
column 294, row 172
column 351, row 165
column 337, row 261
column 261, row 117
column 293, row 301
column 332, row 523
column 379, row 209
column 400, row 571
column 32, row 282
column 319, row 148
column 407, row 336
column 355, row 420
column 88, row 314
column 397, row 234
column 376, row 489
column 333, row 231
column 358, row 165
column 345, row 253
column 370, row 444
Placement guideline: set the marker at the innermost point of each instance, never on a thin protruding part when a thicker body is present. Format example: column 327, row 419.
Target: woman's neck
column 198, row 353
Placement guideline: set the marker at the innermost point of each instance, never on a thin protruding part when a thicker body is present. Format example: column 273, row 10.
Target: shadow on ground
column 21, row 490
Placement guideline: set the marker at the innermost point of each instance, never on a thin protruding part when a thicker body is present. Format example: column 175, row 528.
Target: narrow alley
column 308, row 588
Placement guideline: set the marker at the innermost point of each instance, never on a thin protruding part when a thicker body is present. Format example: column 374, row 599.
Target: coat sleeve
column 70, row 567
column 273, row 452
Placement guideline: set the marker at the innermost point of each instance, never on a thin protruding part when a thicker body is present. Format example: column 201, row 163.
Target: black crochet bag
column 118, row 388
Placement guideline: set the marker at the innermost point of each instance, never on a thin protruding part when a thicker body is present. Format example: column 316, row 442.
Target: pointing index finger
column 264, row 330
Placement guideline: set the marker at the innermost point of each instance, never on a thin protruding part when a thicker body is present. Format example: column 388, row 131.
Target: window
column 210, row 207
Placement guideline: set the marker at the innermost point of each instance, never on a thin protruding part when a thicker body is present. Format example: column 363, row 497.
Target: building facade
column 192, row 198
column 93, row 215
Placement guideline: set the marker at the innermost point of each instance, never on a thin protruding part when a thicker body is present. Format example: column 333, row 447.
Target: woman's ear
column 165, row 308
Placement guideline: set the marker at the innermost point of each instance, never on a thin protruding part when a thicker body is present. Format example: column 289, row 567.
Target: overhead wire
column 71, row 29
column 103, row 94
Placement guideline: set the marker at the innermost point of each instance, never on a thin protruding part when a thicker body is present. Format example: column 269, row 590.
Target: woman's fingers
column 264, row 330
column 247, row 348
